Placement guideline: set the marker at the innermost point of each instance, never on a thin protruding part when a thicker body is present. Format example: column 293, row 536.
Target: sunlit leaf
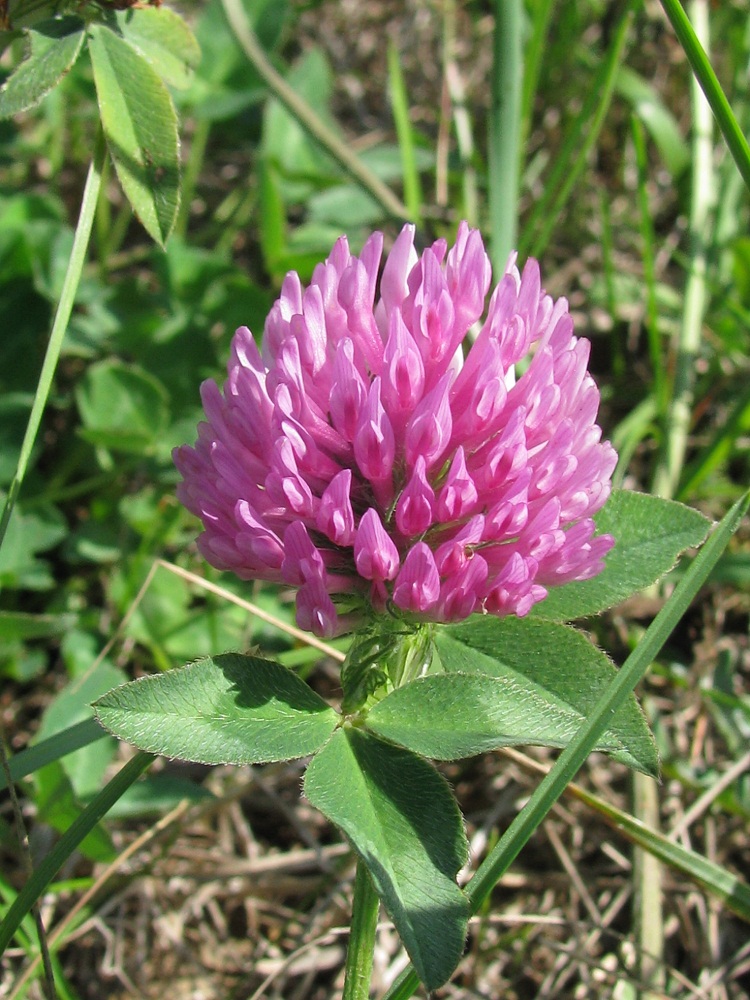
column 164, row 40
column 227, row 709
column 54, row 48
column 510, row 682
column 650, row 533
column 403, row 821
column 140, row 126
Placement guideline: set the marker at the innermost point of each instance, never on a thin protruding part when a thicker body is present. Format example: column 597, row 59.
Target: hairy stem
column 359, row 955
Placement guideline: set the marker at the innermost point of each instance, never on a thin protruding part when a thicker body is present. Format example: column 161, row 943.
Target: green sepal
column 383, row 657
column 363, row 672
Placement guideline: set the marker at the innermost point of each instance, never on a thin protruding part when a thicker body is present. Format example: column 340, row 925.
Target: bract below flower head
column 361, row 457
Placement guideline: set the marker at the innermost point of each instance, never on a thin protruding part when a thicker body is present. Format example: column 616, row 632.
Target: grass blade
column 687, row 348
column 59, row 326
column 716, row 880
column 400, row 108
column 49, row 750
column 710, row 86
column 83, row 825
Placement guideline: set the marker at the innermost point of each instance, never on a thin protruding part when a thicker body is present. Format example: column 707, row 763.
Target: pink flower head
column 362, row 457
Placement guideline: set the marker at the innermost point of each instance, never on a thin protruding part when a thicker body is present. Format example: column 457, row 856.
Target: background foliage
column 644, row 232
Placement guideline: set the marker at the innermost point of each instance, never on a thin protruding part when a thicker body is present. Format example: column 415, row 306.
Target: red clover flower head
column 361, row 457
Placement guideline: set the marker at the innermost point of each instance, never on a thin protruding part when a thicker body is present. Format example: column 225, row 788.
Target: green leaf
column 454, row 715
column 547, row 679
column 29, row 534
column 55, row 45
column 122, row 407
column 403, row 821
column 227, row 709
column 85, row 767
column 57, row 804
column 164, row 40
column 15, row 625
column 140, row 126
column 650, row 533
column 302, row 164
column 346, row 206
column 52, row 749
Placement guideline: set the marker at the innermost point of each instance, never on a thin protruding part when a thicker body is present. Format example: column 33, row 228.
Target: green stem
column 361, row 948
column 305, row 115
column 572, row 758
column 62, row 317
column 710, row 86
column 505, row 130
